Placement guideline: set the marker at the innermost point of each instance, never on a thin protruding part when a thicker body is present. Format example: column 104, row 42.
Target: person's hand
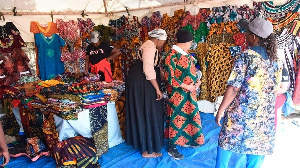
column 198, row 83
column 159, row 95
column 6, row 157
column 218, row 118
column 191, row 87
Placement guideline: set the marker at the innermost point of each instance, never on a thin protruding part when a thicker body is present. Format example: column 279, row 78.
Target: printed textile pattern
column 184, row 124
column 9, row 123
column 248, row 126
column 220, row 63
column 86, row 28
column 81, row 147
column 201, row 53
column 50, row 132
column 99, row 127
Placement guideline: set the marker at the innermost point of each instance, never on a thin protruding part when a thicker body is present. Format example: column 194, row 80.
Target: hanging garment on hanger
column 49, row 53
column 220, row 63
column 72, row 52
column 280, row 24
column 280, row 11
column 48, row 30
column 86, row 28
column 289, row 43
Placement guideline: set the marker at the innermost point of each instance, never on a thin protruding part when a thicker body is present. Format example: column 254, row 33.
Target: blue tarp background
column 286, row 154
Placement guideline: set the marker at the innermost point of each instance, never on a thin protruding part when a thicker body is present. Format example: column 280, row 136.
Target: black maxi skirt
column 144, row 114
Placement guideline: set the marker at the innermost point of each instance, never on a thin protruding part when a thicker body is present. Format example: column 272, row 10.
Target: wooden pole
column 105, row 7
column 53, row 13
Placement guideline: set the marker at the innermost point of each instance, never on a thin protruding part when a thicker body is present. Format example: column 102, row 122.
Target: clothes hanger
column 51, row 16
column 65, row 18
column 43, row 21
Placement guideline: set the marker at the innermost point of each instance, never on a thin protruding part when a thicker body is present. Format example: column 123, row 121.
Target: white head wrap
column 159, row 34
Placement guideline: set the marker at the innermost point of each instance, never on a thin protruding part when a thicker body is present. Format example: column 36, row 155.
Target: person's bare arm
column 3, row 146
column 229, row 96
column 158, row 91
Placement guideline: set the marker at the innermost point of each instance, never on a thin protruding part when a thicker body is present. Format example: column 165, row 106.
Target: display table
column 71, row 128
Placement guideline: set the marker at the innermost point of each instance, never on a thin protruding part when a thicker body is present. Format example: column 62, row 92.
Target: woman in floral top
column 248, row 126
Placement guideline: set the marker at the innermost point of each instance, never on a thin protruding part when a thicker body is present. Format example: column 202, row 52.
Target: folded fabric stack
column 93, row 99
column 66, row 108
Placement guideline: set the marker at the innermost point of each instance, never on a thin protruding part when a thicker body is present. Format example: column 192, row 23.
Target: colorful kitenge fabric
column 171, row 25
column 73, row 51
column 98, row 121
column 88, row 162
column 32, row 121
column 235, row 51
column 201, row 53
column 280, row 24
column 218, row 57
column 280, row 11
column 70, row 77
column 49, row 83
column 184, row 118
column 84, row 87
column 9, row 123
column 34, row 147
column 120, row 108
column 222, row 32
column 248, row 126
column 289, row 44
column 81, row 148
column 246, row 13
column 86, row 28
column 57, row 90
column 50, row 132
column 71, row 97
column 294, row 29
column 27, row 79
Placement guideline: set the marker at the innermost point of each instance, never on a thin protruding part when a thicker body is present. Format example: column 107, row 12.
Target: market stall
column 50, row 101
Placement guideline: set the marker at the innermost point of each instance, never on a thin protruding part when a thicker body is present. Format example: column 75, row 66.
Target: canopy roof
column 78, row 5
column 97, row 6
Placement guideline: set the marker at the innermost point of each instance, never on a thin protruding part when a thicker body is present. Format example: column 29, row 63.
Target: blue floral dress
column 248, row 126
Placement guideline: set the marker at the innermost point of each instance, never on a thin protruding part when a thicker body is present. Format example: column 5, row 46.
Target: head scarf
column 159, row 34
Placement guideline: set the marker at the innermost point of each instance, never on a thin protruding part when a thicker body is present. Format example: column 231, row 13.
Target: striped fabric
column 280, row 11
column 77, row 147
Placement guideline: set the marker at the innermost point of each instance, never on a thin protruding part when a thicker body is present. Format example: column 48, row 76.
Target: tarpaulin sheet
column 286, row 153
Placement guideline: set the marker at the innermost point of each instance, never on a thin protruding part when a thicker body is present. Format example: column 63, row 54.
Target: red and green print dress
column 183, row 114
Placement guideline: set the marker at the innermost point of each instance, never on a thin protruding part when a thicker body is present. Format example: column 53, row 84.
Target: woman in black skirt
column 144, row 111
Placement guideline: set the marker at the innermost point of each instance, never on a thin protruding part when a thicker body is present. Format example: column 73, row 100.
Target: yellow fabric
column 49, row 83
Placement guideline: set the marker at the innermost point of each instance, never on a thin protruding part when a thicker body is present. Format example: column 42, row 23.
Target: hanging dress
column 49, row 53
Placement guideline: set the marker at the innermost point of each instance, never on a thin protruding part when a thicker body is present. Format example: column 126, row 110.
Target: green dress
column 184, row 123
